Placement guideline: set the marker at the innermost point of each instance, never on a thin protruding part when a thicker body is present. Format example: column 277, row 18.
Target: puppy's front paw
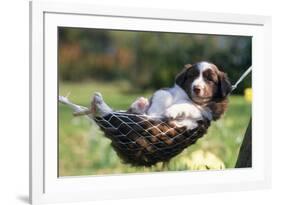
column 98, row 106
column 139, row 106
column 172, row 113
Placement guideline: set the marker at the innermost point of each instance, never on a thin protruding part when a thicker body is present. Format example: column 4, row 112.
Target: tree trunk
column 245, row 154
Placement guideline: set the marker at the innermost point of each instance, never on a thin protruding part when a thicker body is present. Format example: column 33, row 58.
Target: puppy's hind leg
column 98, row 106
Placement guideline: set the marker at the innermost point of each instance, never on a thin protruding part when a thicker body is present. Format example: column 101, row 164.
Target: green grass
column 83, row 150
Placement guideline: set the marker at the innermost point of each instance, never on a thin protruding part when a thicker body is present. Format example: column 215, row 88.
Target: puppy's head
column 204, row 82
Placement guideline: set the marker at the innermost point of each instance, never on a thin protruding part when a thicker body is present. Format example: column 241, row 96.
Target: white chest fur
column 174, row 103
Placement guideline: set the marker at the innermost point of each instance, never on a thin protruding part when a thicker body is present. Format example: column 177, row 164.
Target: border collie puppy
column 200, row 92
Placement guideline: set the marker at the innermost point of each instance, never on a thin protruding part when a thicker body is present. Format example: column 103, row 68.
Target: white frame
column 46, row 187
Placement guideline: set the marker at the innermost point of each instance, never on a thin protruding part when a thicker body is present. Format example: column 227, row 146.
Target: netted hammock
column 142, row 140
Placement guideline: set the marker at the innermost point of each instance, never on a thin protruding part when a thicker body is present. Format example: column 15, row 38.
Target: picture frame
column 46, row 186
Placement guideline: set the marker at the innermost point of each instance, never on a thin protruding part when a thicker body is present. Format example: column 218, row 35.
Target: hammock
column 140, row 140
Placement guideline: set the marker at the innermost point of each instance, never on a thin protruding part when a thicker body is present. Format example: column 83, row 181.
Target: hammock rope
column 242, row 77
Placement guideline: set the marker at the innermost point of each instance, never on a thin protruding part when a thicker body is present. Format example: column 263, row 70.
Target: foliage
column 147, row 59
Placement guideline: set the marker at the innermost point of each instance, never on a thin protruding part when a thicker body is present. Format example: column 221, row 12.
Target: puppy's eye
column 210, row 78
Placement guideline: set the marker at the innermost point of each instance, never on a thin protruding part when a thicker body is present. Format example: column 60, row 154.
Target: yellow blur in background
column 248, row 94
column 204, row 160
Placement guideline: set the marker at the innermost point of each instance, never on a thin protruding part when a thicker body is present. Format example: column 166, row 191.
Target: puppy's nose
column 196, row 90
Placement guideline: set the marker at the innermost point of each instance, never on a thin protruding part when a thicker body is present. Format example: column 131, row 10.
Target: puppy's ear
column 187, row 66
column 225, row 85
column 181, row 77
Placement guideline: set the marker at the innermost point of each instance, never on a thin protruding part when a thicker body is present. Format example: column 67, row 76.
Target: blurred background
column 124, row 65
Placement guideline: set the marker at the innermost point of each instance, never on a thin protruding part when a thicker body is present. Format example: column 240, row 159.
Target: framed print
column 129, row 102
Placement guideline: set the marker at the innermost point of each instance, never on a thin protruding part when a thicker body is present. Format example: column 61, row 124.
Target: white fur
column 200, row 82
column 185, row 110
column 160, row 101
column 186, row 114
column 174, row 103
column 203, row 66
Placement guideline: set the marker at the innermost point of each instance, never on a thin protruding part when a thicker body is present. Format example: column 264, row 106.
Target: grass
column 83, row 150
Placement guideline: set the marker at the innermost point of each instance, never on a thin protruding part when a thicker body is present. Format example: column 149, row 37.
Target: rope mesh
column 143, row 141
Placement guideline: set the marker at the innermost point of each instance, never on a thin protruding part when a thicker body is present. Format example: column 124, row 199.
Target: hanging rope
column 244, row 75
